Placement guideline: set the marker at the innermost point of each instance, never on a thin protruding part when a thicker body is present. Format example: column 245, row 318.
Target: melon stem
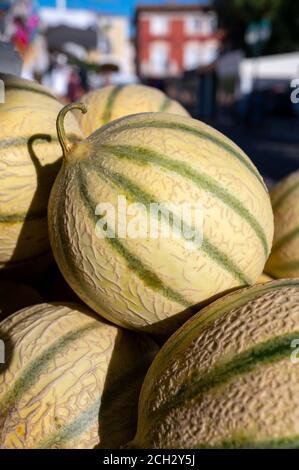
column 65, row 143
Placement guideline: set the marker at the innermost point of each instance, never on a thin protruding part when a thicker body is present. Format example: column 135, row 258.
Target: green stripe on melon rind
column 24, row 87
column 138, row 194
column 166, row 103
column 202, row 134
column 279, row 201
column 266, row 353
column 75, row 428
column 232, row 301
column 285, row 239
column 31, row 373
column 90, row 416
column 145, row 156
column 241, row 441
column 145, row 274
column 110, row 102
column 42, row 139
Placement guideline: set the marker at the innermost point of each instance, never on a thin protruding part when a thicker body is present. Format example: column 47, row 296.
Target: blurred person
column 32, row 24
column 75, row 89
column 20, row 36
column 36, row 60
column 83, row 74
column 57, row 76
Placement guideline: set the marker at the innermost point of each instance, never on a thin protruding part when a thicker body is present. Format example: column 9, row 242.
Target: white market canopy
column 273, row 67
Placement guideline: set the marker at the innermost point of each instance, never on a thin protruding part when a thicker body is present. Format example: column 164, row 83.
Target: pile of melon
column 127, row 227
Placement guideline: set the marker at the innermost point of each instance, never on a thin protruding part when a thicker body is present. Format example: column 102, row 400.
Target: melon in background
column 70, row 380
column 147, row 283
column 229, row 378
column 29, row 161
column 112, row 102
column 284, row 259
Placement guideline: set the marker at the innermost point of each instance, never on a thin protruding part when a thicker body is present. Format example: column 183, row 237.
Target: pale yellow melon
column 70, row 380
column 284, row 258
column 229, row 377
column 112, row 102
column 29, row 161
column 154, row 281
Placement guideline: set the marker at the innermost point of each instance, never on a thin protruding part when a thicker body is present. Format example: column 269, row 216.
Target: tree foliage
column 235, row 15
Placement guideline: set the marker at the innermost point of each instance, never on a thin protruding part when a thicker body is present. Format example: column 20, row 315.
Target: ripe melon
column 149, row 283
column 112, row 102
column 29, row 161
column 14, row 296
column 228, row 378
column 284, row 259
column 70, row 380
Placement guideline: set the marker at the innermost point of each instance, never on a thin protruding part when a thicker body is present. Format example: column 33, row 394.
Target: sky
column 124, row 7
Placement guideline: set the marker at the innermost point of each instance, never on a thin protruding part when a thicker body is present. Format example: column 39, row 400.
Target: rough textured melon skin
column 70, row 380
column 113, row 102
column 284, row 258
column 148, row 283
column 29, row 161
column 225, row 378
column 14, row 296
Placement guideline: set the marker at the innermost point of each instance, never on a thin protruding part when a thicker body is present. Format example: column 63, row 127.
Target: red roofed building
column 171, row 39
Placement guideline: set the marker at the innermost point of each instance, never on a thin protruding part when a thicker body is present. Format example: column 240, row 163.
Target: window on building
column 159, row 25
column 213, row 21
column 192, row 55
column 201, row 24
column 193, row 24
column 104, row 36
column 209, row 52
column 209, row 23
column 159, row 58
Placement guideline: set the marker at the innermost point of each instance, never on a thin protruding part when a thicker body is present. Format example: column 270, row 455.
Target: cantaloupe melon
column 229, row 377
column 29, row 161
column 14, row 296
column 154, row 281
column 112, row 102
column 284, row 259
column 70, row 380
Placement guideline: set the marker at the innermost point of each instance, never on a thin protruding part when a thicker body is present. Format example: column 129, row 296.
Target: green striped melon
column 284, row 259
column 29, row 161
column 70, row 380
column 14, row 296
column 225, row 379
column 112, row 102
column 149, row 283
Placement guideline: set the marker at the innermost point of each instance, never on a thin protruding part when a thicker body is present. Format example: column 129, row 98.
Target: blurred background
column 232, row 63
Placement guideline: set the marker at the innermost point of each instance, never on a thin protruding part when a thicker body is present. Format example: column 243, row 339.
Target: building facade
column 171, row 39
column 114, row 44
column 105, row 37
